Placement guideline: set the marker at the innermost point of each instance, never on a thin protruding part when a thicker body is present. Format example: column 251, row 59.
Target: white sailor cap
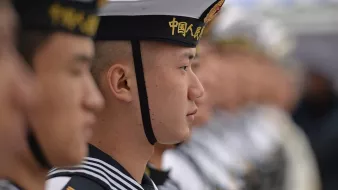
column 268, row 35
column 177, row 21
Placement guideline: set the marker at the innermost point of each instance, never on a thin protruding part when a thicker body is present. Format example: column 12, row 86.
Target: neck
column 120, row 138
column 23, row 170
column 156, row 158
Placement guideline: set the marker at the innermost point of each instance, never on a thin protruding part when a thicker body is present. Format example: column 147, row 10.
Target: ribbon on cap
column 142, row 91
column 179, row 30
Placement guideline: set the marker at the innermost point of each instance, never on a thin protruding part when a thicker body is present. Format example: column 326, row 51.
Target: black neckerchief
column 159, row 176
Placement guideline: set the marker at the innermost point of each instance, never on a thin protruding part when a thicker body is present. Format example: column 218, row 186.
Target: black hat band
column 173, row 29
column 59, row 16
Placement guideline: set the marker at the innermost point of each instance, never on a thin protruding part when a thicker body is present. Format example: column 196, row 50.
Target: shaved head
column 108, row 53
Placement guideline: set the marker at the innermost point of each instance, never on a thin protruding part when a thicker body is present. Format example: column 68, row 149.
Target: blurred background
column 301, row 36
column 314, row 26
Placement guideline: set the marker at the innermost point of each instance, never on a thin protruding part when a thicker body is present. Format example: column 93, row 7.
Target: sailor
column 143, row 68
column 56, row 41
column 16, row 95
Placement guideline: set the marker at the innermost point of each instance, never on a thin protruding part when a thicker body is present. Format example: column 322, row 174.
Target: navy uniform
column 179, row 22
column 98, row 171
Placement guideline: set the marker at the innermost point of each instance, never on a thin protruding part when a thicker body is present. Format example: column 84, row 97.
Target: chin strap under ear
column 37, row 151
column 142, row 92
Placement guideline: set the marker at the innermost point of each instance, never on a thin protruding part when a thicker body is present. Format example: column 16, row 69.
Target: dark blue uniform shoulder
column 83, row 183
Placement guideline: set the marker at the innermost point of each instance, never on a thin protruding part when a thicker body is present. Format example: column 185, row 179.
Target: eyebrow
column 189, row 55
column 86, row 59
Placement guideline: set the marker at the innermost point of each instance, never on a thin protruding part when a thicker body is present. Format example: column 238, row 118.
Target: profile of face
column 172, row 88
column 16, row 84
column 218, row 76
column 69, row 98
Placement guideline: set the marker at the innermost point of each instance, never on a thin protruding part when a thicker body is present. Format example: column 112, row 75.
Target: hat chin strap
column 142, row 92
column 36, row 150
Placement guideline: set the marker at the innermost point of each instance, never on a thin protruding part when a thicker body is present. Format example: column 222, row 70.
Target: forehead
column 164, row 47
column 62, row 50
column 62, row 42
column 165, row 54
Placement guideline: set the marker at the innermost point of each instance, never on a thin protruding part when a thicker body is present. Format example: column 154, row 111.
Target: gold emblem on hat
column 213, row 12
column 185, row 29
column 73, row 19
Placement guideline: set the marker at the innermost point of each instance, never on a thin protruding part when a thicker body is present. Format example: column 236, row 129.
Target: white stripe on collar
column 155, row 187
column 112, row 182
column 113, row 175
column 115, row 170
column 104, row 172
column 84, row 172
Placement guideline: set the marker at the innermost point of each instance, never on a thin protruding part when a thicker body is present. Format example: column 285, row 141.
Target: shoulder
column 70, row 183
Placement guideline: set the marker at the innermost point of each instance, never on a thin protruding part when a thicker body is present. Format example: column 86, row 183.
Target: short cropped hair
column 29, row 42
column 108, row 52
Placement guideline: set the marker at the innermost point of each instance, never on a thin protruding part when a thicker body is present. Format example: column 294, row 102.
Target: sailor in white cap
column 143, row 68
